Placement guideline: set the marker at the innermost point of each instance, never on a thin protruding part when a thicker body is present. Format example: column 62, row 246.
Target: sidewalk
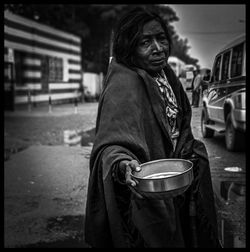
column 23, row 128
column 45, row 186
column 54, row 110
column 45, row 196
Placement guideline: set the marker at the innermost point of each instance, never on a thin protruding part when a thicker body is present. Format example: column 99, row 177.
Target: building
column 189, row 69
column 177, row 65
column 41, row 63
column 179, row 68
column 93, row 85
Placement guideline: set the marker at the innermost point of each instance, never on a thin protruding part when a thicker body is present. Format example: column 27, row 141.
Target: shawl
column 131, row 124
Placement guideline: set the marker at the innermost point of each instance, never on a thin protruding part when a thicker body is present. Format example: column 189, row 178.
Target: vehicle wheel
column 233, row 138
column 206, row 132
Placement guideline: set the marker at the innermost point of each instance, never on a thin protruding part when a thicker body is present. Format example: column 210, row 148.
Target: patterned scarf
column 170, row 102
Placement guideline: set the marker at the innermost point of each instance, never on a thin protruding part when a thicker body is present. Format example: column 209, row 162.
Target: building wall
column 92, row 84
column 177, row 65
column 46, row 61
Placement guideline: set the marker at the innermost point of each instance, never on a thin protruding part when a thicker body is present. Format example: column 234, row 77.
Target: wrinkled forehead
column 152, row 27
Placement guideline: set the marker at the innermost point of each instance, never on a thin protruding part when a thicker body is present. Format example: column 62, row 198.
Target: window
column 225, row 66
column 217, row 69
column 19, row 68
column 237, row 61
column 55, row 69
column 52, row 71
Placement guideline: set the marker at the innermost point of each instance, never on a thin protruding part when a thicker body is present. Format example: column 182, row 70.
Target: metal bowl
column 164, row 178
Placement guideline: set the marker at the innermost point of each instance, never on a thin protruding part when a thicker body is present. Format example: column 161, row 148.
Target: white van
column 224, row 105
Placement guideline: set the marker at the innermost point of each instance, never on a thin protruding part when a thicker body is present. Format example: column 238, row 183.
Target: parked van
column 224, row 104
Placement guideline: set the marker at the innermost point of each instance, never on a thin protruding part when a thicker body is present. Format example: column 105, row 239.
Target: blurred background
column 194, row 28
column 60, row 52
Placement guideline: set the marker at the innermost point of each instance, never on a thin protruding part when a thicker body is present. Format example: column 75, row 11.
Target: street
column 218, row 155
column 34, row 144
column 229, row 211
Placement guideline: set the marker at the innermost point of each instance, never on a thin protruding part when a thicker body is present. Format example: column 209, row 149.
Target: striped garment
column 169, row 99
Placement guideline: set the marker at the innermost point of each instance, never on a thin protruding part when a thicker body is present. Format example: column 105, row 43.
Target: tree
column 180, row 50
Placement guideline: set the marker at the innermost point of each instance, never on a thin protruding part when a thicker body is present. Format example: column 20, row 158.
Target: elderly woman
column 143, row 115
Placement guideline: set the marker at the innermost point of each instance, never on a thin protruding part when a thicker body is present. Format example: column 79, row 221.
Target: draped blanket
column 131, row 124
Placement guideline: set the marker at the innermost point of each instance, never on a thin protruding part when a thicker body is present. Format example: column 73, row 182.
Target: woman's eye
column 165, row 42
column 145, row 42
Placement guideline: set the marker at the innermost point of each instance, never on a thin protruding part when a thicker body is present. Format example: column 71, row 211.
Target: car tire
column 206, row 132
column 233, row 138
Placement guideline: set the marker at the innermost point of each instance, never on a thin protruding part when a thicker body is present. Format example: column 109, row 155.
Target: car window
column 237, row 61
column 212, row 95
column 225, row 65
column 216, row 75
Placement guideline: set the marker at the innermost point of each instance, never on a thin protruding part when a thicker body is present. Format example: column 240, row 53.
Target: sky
column 208, row 27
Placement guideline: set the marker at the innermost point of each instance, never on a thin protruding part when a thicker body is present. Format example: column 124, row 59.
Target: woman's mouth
column 158, row 61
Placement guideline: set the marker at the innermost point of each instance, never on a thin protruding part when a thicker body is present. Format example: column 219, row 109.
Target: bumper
column 239, row 116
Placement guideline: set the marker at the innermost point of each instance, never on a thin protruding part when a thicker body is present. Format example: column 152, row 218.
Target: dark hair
column 128, row 30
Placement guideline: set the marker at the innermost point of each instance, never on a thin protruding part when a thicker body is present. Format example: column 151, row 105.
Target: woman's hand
column 127, row 167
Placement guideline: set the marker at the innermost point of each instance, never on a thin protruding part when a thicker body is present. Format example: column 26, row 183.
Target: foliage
column 94, row 24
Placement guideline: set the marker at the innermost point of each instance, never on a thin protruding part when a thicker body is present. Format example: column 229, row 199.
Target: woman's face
column 152, row 50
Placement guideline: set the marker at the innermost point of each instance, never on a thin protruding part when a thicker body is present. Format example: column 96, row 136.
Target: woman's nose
column 156, row 45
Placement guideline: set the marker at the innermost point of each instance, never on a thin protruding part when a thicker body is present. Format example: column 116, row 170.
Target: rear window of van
column 237, row 61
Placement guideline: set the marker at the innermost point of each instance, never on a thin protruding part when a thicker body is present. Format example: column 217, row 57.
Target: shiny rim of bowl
column 160, row 160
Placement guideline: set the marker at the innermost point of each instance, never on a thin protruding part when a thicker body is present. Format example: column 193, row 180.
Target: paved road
column 229, row 187
column 45, row 181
